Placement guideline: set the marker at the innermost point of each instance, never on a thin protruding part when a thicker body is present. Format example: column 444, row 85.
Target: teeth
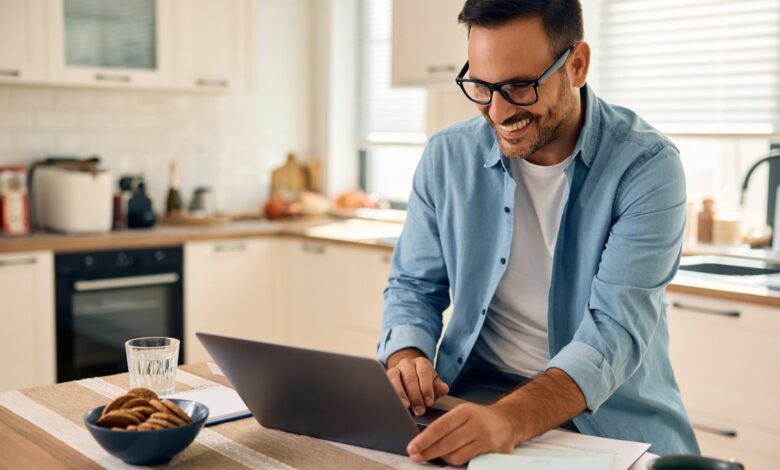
column 516, row 126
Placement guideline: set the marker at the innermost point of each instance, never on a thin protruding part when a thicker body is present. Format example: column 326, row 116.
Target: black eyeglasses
column 517, row 92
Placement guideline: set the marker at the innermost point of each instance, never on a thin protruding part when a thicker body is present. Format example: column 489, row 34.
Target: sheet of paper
column 223, row 402
column 624, row 453
column 543, row 459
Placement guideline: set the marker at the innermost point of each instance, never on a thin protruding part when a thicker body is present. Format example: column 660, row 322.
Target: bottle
column 173, row 203
column 705, row 222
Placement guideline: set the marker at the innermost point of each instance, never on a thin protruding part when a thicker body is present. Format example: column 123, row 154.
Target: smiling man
column 555, row 219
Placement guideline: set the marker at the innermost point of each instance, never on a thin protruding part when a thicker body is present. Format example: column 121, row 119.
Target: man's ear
column 578, row 64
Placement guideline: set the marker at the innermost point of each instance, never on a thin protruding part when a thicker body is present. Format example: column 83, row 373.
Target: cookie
column 142, row 392
column 148, row 427
column 146, row 411
column 177, row 411
column 163, row 423
column 135, row 402
column 117, row 418
column 140, row 416
column 117, row 403
column 131, row 427
column 158, row 405
column 173, row 419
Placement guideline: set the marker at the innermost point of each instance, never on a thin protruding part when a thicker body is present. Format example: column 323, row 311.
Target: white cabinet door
column 22, row 45
column 723, row 354
column 212, row 44
column 230, row 288
column 27, row 341
column 429, row 45
column 113, row 44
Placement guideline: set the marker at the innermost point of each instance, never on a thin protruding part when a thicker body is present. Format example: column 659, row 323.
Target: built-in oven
column 105, row 298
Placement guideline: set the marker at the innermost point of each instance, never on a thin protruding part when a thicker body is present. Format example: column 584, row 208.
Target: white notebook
column 223, row 403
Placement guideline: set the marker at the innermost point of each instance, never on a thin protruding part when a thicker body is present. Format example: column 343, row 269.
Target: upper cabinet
column 429, row 45
column 94, row 42
column 212, row 44
column 22, row 43
column 198, row 45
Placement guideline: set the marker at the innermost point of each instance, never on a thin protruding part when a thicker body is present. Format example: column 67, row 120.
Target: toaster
column 72, row 198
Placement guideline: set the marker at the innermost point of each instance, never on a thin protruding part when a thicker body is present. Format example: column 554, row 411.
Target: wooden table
column 42, row 428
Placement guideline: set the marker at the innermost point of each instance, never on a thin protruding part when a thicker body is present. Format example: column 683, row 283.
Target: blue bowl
column 148, row 447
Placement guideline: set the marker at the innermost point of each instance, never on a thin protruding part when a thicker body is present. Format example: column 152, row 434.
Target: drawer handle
column 441, row 68
column 17, row 262
column 725, row 432
column 229, row 247
column 711, row 311
column 107, row 77
column 315, row 248
column 215, row 83
column 10, row 73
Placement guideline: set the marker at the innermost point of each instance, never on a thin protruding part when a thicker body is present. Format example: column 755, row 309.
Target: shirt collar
column 586, row 142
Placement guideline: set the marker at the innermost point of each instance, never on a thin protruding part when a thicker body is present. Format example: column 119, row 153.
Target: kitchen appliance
column 72, row 196
column 104, row 298
column 14, row 203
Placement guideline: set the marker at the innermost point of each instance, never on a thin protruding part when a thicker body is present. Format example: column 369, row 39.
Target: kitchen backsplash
column 226, row 142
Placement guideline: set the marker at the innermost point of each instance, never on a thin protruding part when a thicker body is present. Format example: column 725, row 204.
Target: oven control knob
column 88, row 261
column 122, row 260
column 159, row 256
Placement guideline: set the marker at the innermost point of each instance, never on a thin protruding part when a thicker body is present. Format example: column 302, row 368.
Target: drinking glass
column 152, row 362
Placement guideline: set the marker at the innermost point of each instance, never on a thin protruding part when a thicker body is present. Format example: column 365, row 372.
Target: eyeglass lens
column 518, row 93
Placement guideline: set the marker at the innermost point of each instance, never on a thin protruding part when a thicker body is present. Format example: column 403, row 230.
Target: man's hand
column 463, row 433
column 415, row 379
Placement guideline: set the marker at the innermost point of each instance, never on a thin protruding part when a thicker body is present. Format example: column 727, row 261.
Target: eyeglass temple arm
column 464, row 70
column 561, row 60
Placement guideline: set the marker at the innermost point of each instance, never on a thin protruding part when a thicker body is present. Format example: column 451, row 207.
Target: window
column 692, row 66
column 391, row 120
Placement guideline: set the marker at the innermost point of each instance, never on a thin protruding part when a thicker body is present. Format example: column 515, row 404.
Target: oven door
column 96, row 316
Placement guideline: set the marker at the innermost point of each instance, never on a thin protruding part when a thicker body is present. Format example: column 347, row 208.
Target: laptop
column 325, row 395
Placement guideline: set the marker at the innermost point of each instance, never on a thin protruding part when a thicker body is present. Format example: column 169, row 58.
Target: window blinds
column 387, row 114
column 693, row 66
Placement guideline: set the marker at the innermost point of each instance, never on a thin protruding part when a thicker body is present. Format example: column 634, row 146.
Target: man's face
column 521, row 50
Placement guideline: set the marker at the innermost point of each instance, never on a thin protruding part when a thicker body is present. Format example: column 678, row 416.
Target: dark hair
column 562, row 19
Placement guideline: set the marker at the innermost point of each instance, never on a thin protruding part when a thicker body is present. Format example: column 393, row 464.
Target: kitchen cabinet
column 117, row 44
column 724, row 355
column 22, row 45
column 212, row 44
column 230, row 288
column 429, row 45
column 27, row 344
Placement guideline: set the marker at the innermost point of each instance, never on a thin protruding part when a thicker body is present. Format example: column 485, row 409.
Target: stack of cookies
column 140, row 409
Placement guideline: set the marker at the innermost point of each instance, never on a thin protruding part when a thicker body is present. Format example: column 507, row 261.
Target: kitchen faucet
column 773, row 204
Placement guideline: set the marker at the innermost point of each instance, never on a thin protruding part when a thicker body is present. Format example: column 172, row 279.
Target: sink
column 728, row 266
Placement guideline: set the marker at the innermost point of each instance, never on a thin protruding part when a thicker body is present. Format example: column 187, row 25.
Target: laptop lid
column 326, row 395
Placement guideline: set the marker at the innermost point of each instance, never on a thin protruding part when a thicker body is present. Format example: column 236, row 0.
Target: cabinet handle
column 214, row 83
column 711, row 311
column 228, row 247
column 725, row 432
column 10, row 73
column 441, row 68
column 316, row 248
column 108, row 77
column 17, row 262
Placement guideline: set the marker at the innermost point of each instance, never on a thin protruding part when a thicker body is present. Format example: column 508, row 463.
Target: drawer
column 757, row 449
column 723, row 355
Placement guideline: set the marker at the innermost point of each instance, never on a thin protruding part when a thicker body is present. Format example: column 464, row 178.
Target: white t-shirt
column 514, row 336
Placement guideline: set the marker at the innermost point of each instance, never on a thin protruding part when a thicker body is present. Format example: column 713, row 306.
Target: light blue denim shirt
column 618, row 247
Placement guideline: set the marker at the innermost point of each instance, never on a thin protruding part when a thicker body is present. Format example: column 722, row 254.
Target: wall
column 227, row 142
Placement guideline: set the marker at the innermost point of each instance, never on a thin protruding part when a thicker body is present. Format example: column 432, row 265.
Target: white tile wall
column 227, row 142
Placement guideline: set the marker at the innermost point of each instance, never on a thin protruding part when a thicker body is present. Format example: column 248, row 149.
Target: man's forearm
column 545, row 402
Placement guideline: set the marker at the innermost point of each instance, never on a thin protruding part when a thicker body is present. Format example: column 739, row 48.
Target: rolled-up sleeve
column 626, row 301
column 418, row 288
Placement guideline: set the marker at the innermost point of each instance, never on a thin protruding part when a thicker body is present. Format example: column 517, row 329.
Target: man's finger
column 395, row 378
column 448, row 444
column 425, row 375
column 440, row 388
column 412, row 386
column 465, row 453
column 437, row 430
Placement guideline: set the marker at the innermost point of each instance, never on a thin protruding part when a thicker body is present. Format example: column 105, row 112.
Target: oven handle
column 121, row 282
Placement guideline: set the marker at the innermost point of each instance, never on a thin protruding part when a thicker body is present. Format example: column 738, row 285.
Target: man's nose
column 500, row 109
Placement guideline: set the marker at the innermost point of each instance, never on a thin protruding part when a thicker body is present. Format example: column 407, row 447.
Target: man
column 555, row 220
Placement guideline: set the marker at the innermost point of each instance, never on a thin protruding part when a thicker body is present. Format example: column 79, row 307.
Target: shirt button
column 503, row 260
column 506, row 209
column 460, row 360
column 484, row 311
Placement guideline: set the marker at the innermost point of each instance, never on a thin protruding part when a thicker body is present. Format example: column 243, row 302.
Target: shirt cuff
column 589, row 370
column 405, row 336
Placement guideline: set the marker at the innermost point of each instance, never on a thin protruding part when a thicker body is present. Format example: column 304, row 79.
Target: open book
column 223, row 403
